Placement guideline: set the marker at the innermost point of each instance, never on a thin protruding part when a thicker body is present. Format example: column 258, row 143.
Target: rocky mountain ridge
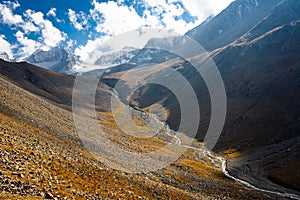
column 59, row 59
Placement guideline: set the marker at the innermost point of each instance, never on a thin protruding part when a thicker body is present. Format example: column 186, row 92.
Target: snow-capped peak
column 117, row 57
column 4, row 56
column 58, row 59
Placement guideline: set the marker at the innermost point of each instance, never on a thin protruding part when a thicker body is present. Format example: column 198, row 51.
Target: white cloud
column 73, row 19
column 111, row 23
column 11, row 4
column 158, row 14
column 52, row 12
column 169, row 13
column 5, row 46
column 33, row 22
column 36, row 17
column 152, row 19
column 29, row 27
column 204, row 8
column 51, row 35
column 137, row 39
column 172, row 20
column 79, row 20
column 28, row 45
column 84, row 51
column 71, row 43
column 7, row 16
column 174, row 10
column 156, row 3
column 113, row 18
column 178, row 25
column 119, row 2
column 173, row 1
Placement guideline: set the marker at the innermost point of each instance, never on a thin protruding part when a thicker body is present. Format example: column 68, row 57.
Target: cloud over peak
column 85, row 27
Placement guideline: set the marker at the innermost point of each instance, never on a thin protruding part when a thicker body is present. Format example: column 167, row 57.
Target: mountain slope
column 232, row 23
column 43, row 157
column 47, row 163
column 283, row 14
column 261, row 77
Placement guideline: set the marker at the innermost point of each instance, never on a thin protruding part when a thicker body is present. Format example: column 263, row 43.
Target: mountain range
column 255, row 46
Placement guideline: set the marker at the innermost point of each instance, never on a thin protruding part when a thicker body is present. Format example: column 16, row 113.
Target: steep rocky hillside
column 42, row 156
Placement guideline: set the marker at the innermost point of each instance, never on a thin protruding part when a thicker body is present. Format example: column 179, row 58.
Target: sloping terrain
column 43, row 157
column 261, row 77
column 284, row 13
column 232, row 23
column 54, row 86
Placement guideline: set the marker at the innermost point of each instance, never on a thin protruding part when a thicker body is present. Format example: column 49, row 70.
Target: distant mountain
column 151, row 53
column 232, row 23
column 117, row 57
column 4, row 56
column 155, row 50
column 59, row 59
column 129, row 58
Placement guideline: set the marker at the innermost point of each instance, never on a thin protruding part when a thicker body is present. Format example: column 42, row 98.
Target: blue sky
column 26, row 25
